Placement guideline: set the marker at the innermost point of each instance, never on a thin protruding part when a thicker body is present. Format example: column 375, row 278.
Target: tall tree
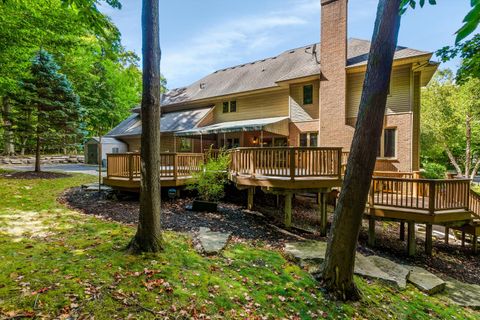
column 337, row 275
column 52, row 101
column 469, row 52
column 149, row 237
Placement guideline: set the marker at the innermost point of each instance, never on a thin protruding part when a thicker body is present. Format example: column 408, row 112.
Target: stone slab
column 211, row 242
column 463, row 294
column 308, row 254
column 425, row 281
column 365, row 267
column 396, row 271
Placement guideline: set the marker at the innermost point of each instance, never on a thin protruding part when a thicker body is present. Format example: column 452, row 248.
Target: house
column 307, row 96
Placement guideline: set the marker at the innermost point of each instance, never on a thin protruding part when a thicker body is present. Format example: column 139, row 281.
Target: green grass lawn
column 55, row 262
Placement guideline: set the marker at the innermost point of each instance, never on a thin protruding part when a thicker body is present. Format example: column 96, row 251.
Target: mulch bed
column 230, row 218
column 447, row 260
column 28, row 175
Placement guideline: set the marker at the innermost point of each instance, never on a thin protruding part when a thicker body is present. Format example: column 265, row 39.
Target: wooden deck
column 123, row 169
column 291, row 168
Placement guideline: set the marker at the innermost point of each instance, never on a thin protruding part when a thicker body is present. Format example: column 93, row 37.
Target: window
column 230, row 143
column 308, row 94
column 389, row 138
column 229, row 106
column 388, row 144
column 309, row 139
column 185, row 144
column 115, row 150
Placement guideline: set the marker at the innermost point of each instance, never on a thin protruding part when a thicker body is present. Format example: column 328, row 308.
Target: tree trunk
column 37, row 152
column 453, row 161
column 475, row 170
column 8, row 145
column 337, row 275
column 148, row 237
column 468, row 148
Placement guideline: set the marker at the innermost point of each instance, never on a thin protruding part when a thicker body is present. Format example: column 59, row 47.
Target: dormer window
column 229, row 106
column 308, row 94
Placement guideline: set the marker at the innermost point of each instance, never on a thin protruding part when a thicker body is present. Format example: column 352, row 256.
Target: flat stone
column 366, row 267
column 463, row 294
column 308, row 254
column 425, row 281
column 396, row 271
column 211, row 242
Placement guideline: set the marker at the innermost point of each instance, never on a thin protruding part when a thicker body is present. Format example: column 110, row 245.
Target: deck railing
column 421, row 194
column 475, row 204
column 173, row 165
column 291, row 162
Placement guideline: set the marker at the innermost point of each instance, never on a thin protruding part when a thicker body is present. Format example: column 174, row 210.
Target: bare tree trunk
column 453, row 161
column 149, row 237
column 8, row 145
column 337, row 275
column 468, row 148
column 475, row 169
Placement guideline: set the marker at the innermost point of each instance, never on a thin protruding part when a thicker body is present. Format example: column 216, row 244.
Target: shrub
column 210, row 180
column 434, row 171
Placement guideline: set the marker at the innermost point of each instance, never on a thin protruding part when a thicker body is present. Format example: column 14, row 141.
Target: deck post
column 130, row 166
column 292, row 164
column 411, row 245
column 323, row 214
column 447, row 234
column 428, row 239
column 431, row 197
column 463, row 238
column 371, row 231
column 288, row 209
column 278, row 201
column 175, row 163
column 250, row 198
column 402, row 231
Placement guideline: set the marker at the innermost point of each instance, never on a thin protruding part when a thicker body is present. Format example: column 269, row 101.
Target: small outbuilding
column 109, row 145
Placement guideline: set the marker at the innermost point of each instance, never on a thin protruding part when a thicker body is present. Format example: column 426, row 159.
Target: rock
column 211, row 242
column 396, row 271
column 366, row 267
column 308, row 254
column 463, row 294
column 425, row 281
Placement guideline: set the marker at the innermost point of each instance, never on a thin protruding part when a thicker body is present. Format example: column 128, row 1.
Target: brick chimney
column 333, row 59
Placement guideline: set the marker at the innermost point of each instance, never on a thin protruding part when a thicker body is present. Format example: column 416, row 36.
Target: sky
column 198, row 37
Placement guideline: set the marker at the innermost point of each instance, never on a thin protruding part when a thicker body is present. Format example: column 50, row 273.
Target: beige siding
column 167, row 143
column 296, row 97
column 397, row 102
column 266, row 105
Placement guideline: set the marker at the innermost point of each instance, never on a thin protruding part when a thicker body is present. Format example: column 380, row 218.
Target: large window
column 388, row 144
column 308, row 94
column 185, row 144
column 309, row 139
column 229, row 106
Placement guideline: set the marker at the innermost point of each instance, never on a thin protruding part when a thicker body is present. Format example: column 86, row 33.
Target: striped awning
column 277, row 125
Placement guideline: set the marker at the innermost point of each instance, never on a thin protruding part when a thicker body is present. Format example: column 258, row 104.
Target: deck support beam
column 463, row 238
column 288, row 209
column 251, row 192
column 428, row 239
column 371, row 231
column 402, row 231
column 322, row 207
column 447, row 234
column 411, row 245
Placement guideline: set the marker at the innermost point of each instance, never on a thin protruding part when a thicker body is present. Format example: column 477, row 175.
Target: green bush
column 210, row 180
column 434, row 171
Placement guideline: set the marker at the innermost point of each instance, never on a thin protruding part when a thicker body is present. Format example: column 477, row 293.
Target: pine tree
column 54, row 107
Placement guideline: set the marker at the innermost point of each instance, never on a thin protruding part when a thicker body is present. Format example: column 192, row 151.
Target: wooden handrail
column 424, row 194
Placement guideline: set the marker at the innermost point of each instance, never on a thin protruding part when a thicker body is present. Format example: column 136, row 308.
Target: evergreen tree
column 53, row 107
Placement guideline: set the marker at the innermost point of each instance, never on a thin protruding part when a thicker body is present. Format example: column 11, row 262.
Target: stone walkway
column 211, row 242
column 311, row 255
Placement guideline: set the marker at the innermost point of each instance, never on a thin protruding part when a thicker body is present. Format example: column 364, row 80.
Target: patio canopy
column 277, row 125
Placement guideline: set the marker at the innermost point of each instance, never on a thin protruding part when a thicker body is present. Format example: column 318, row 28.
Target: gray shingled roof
column 291, row 64
column 170, row 122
